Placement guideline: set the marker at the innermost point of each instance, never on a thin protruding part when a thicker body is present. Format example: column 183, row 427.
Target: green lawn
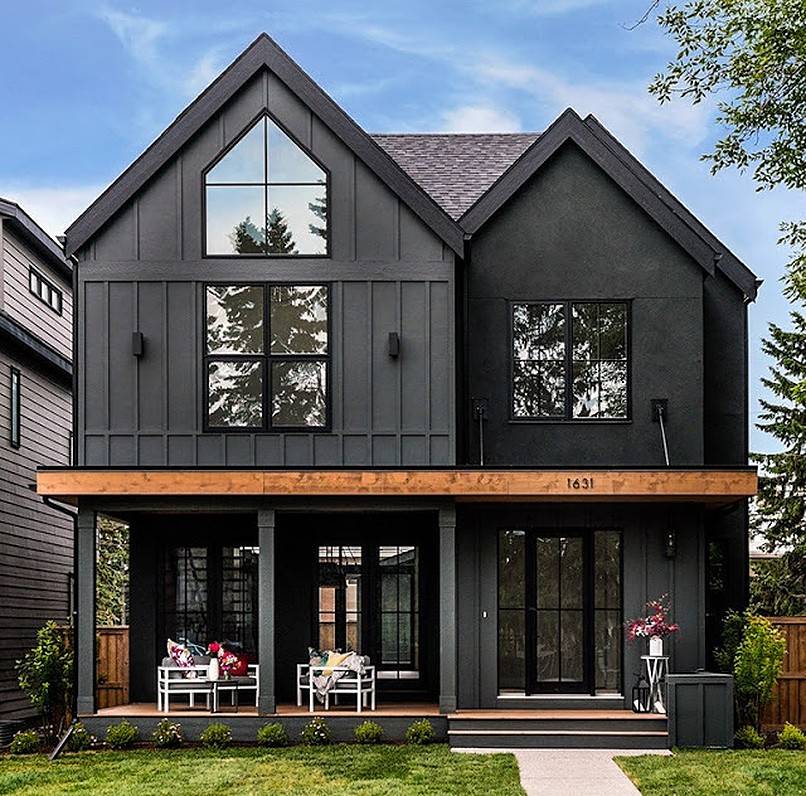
column 706, row 773
column 341, row 770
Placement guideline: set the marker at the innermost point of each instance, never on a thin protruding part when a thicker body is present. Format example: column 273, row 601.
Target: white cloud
column 479, row 119
column 138, row 34
column 54, row 208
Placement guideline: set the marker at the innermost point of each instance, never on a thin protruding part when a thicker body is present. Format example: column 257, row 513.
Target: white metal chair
column 359, row 684
column 172, row 681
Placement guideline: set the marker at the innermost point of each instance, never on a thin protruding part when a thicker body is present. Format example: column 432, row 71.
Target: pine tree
column 279, row 239
column 780, row 509
column 319, row 208
column 247, row 238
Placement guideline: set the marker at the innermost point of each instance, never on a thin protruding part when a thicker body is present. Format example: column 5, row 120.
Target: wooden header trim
column 718, row 486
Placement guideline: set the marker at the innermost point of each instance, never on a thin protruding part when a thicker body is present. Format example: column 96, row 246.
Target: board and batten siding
column 36, row 542
column 387, row 271
column 23, row 306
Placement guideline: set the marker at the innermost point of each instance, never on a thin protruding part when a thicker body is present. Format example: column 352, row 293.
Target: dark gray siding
column 145, row 271
column 647, row 574
column 571, row 233
column 36, row 543
column 17, row 301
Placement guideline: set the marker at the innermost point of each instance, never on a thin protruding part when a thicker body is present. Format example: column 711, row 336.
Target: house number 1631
column 580, row 483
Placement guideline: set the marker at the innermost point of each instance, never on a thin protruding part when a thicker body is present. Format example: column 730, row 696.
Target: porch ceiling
column 706, row 485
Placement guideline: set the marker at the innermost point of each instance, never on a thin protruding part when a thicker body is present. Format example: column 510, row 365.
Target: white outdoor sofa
column 358, row 684
column 171, row 681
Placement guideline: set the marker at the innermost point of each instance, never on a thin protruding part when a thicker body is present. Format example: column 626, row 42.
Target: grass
column 774, row 772
column 340, row 770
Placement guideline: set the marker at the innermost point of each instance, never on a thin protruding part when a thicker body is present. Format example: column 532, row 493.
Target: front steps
column 556, row 729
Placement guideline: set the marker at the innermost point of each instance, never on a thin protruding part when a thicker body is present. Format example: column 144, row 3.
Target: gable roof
column 35, row 236
column 634, row 178
column 455, row 168
column 263, row 53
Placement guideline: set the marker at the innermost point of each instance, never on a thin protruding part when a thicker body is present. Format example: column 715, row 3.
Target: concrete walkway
column 572, row 772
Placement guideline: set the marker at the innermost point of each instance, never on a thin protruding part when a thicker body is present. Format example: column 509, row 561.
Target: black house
column 459, row 402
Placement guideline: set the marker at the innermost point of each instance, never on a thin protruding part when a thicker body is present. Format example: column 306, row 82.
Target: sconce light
column 393, row 346
column 137, row 344
column 671, row 544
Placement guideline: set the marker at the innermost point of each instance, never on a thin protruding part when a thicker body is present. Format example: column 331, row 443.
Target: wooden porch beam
column 701, row 486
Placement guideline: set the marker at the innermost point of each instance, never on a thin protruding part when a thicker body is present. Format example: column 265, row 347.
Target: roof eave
column 36, row 237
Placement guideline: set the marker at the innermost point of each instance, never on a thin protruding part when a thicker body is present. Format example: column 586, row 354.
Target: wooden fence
column 113, row 666
column 789, row 697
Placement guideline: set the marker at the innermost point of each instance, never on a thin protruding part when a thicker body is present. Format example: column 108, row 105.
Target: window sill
column 550, row 421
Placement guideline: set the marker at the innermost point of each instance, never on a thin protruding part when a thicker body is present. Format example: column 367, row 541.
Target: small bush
column 748, row 738
column 792, row 738
column 368, row 732
column 420, row 732
column 315, row 732
column 216, row 736
column 167, row 735
column 121, row 735
column 25, row 742
column 272, row 735
column 80, row 739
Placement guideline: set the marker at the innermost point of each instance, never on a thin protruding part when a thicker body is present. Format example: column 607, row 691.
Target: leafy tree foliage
column 45, row 674
column 112, row 573
column 751, row 55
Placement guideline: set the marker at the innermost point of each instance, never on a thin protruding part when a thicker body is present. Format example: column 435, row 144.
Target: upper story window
column 266, row 196
column 267, row 357
column 45, row 291
column 570, row 360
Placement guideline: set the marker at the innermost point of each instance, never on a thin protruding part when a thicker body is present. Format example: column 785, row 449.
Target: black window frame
column 264, row 114
column 266, row 357
column 15, row 408
column 568, row 360
column 33, row 274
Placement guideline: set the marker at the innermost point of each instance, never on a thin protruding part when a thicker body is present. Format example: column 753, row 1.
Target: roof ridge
column 401, row 135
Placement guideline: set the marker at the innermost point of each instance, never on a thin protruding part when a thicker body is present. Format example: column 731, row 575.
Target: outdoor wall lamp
column 138, row 345
column 393, row 345
column 670, row 544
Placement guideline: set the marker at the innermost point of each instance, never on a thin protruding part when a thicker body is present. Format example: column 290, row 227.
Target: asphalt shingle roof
column 455, row 168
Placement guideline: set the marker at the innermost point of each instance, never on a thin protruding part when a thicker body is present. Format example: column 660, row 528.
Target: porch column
column 84, row 639
column 267, row 702
column 447, row 610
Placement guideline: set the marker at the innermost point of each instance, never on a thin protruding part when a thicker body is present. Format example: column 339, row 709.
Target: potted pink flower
column 213, row 650
column 656, row 626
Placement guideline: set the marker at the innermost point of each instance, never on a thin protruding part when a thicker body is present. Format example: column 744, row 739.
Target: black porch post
column 84, row 642
column 447, row 610
column 267, row 702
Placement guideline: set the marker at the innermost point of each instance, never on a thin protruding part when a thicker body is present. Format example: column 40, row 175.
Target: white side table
column 657, row 667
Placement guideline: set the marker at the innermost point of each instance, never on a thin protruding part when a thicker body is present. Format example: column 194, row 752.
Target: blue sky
column 90, row 84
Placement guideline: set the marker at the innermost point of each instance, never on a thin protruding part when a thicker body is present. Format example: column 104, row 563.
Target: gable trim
column 264, row 52
column 633, row 178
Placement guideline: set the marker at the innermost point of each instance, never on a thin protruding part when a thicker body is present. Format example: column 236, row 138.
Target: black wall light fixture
column 393, row 345
column 670, row 544
column 138, row 344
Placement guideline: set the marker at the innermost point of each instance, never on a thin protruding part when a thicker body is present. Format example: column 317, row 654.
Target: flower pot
column 212, row 669
column 655, row 646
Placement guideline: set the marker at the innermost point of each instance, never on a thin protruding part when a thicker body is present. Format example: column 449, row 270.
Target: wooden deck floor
column 149, row 709
column 543, row 714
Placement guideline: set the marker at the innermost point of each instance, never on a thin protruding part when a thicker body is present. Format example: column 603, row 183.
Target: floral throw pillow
column 181, row 656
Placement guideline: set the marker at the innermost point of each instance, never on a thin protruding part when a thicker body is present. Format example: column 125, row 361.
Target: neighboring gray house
column 36, row 542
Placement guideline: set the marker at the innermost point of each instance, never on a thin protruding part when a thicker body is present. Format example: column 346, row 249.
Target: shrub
column 272, row 735
column 792, row 738
column 216, row 736
column 25, row 742
column 758, row 663
column 748, row 737
column 420, row 732
column 45, row 674
column 733, row 626
column 121, row 735
column 368, row 732
column 315, row 732
column 80, row 739
column 167, row 734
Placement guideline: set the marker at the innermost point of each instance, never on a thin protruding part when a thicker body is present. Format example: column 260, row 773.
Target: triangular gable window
column 266, row 196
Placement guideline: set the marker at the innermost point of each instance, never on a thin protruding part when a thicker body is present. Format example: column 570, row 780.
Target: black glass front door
column 557, row 613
